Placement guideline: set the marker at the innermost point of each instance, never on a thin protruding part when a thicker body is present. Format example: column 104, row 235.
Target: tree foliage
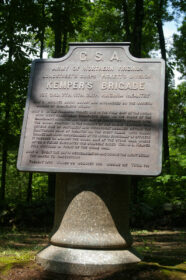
column 179, row 48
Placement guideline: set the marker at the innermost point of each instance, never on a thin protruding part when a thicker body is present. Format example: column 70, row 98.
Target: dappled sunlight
column 163, row 254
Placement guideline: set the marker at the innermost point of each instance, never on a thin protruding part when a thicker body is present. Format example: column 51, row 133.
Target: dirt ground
column 163, row 252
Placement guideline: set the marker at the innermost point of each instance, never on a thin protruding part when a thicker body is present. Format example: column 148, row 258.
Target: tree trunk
column 137, row 30
column 64, row 45
column 42, row 30
column 42, row 43
column 51, row 184
column 3, row 174
column 5, row 151
column 165, row 124
column 127, row 36
column 57, row 29
column 29, row 189
column 57, row 52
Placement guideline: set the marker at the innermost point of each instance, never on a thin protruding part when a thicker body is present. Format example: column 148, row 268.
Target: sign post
column 96, row 111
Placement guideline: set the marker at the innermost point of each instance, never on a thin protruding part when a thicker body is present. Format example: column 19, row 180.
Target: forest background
column 30, row 28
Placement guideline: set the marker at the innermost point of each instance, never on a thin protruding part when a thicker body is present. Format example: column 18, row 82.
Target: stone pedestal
column 91, row 229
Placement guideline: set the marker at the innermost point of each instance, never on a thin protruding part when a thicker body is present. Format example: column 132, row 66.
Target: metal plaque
column 95, row 110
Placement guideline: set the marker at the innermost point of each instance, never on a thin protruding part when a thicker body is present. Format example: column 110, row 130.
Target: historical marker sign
column 96, row 110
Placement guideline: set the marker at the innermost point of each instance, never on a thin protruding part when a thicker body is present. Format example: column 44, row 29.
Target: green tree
column 66, row 21
column 39, row 24
column 14, row 55
column 177, row 128
column 179, row 48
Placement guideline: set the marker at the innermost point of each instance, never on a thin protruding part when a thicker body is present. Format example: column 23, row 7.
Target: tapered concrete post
column 91, row 233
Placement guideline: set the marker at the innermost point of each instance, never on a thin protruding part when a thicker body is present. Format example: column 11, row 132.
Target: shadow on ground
column 143, row 271
column 164, row 256
column 163, row 247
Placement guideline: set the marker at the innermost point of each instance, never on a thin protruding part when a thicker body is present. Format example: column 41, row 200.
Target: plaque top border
column 123, row 45
column 99, row 43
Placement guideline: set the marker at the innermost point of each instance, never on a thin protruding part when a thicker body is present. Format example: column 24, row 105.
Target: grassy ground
column 164, row 256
